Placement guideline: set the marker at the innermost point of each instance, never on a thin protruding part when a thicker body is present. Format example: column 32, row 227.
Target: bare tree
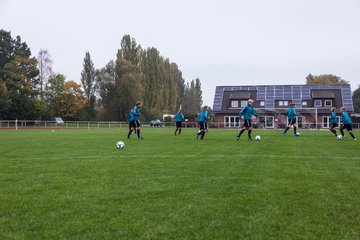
column 45, row 69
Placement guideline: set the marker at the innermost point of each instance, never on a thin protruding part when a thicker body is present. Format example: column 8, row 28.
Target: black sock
column 202, row 134
column 176, row 131
column 352, row 135
column 138, row 133
column 130, row 132
column 179, row 131
column 294, row 130
column 286, row 129
column 342, row 132
column 241, row 132
column 249, row 134
column 333, row 131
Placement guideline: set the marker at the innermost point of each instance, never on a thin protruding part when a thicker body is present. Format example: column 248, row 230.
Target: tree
column 71, row 101
column 324, row 79
column 89, row 85
column 18, row 79
column 21, row 80
column 192, row 97
column 106, row 80
column 45, row 69
column 356, row 100
column 54, row 87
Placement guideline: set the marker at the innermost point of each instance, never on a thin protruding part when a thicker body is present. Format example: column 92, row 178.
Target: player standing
column 346, row 123
column 135, row 124
column 203, row 118
column 291, row 114
column 179, row 118
column 247, row 111
column 333, row 121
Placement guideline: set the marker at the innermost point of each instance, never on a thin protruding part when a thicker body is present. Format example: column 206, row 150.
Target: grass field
column 75, row 184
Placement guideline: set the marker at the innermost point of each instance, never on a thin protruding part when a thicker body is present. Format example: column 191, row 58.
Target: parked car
column 156, row 123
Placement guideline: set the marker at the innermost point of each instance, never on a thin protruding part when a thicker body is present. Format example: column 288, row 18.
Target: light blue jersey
column 247, row 111
column 203, row 116
column 179, row 117
column 333, row 118
column 134, row 114
column 291, row 113
column 345, row 119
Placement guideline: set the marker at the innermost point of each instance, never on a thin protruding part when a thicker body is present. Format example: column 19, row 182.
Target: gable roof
column 270, row 93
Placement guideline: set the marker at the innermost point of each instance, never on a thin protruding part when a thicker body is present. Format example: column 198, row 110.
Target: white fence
column 31, row 124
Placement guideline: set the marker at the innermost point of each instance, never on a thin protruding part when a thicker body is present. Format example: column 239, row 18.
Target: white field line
column 202, row 156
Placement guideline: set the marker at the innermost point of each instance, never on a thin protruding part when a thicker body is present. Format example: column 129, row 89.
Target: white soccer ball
column 340, row 137
column 257, row 137
column 120, row 144
column 297, row 134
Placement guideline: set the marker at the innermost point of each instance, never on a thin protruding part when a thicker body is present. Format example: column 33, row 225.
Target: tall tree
column 198, row 93
column 18, row 79
column 356, row 100
column 45, row 69
column 89, row 85
column 324, row 79
column 106, row 79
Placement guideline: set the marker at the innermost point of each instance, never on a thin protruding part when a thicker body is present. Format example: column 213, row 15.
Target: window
column 286, row 103
column 234, row 104
column 317, row 103
column 328, row 103
column 281, row 103
column 243, row 103
column 262, row 103
column 304, row 103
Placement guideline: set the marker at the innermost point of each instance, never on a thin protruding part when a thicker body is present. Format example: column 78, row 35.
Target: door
column 231, row 121
column 269, row 121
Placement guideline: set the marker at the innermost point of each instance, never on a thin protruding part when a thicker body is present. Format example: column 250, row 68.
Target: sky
column 222, row 42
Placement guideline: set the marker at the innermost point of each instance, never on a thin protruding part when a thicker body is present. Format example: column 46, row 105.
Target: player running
column 179, row 118
column 247, row 111
column 291, row 113
column 346, row 123
column 333, row 121
column 203, row 118
column 135, row 124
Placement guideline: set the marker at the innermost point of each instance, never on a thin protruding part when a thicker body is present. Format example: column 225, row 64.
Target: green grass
column 75, row 184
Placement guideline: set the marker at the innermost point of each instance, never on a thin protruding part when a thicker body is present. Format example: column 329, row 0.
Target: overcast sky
column 224, row 42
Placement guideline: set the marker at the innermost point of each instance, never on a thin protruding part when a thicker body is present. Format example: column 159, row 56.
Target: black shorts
column 203, row 125
column 134, row 124
column 333, row 125
column 346, row 126
column 292, row 121
column 247, row 123
column 178, row 124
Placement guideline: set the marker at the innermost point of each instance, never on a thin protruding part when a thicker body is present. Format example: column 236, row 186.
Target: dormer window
column 234, row 104
column 317, row 103
column 328, row 103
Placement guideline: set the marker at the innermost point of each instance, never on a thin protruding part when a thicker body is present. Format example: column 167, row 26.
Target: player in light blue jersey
column 333, row 121
column 291, row 114
column 346, row 123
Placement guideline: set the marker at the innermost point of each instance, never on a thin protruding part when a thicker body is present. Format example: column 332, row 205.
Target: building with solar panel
column 313, row 103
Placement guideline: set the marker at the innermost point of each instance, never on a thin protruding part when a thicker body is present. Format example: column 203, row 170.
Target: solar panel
column 270, row 92
column 296, row 93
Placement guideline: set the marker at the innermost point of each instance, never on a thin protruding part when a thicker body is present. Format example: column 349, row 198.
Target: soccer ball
column 340, row 137
column 297, row 134
column 258, row 138
column 120, row 144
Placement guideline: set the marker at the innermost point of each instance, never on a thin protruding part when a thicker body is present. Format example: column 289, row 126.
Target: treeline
column 30, row 90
